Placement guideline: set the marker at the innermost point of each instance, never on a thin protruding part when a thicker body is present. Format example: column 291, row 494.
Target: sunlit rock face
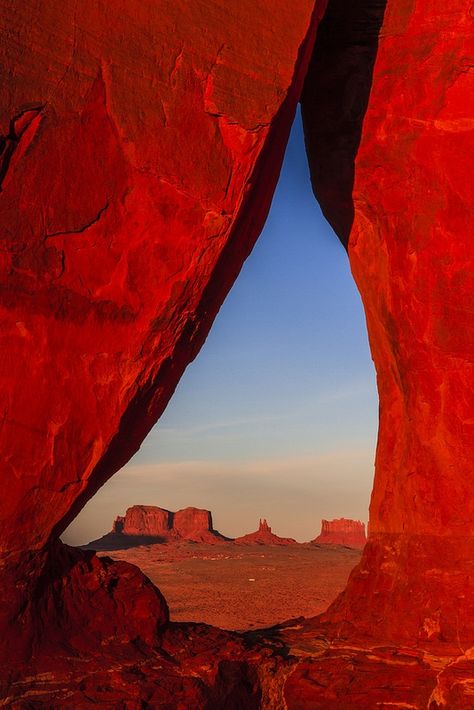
column 342, row 531
column 141, row 143
column 146, row 520
column 189, row 524
column 140, row 146
column 407, row 190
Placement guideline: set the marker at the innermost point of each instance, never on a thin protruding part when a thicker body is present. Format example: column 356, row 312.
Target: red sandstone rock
column 140, row 148
column 342, row 532
column 147, row 520
column 141, row 143
column 393, row 150
column 195, row 524
column 264, row 536
column 144, row 524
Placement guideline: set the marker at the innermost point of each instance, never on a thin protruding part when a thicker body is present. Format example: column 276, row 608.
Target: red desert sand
column 244, row 586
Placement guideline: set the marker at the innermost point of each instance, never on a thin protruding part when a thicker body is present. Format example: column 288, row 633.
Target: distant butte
column 148, row 524
column 264, row 536
column 342, row 532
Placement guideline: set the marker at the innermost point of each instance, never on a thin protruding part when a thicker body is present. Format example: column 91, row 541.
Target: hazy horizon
column 277, row 416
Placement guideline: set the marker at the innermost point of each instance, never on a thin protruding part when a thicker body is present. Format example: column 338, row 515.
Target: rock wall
column 388, row 107
column 147, row 520
column 141, row 144
column 193, row 523
column 342, row 532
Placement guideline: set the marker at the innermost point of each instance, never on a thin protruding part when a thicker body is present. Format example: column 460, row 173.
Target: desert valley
column 254, row 581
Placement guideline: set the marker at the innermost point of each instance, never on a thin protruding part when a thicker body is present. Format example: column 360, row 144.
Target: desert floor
column 243, row 588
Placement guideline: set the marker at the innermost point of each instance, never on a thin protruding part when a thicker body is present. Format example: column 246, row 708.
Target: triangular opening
column 277, row 417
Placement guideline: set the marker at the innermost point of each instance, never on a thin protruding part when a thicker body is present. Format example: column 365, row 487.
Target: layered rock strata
column 342, row 531
column 149, row 523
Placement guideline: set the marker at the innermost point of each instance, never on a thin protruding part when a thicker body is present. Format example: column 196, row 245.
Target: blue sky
column 277, row 416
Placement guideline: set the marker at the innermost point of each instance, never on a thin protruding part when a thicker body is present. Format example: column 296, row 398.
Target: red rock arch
column 140, row 150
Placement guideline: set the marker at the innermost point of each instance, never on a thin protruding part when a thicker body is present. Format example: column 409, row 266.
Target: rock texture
column 140, row 146
column 146, row 520
column 264, row 536
column 388, row 109
column 342, row 532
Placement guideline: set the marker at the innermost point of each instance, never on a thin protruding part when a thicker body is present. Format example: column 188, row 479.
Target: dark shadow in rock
column 119, row 541
column 334, row 102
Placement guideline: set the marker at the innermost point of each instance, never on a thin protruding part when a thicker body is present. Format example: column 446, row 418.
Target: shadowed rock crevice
column 334, row 101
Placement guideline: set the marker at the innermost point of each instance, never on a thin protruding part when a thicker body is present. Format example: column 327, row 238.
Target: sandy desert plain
column 242, row 588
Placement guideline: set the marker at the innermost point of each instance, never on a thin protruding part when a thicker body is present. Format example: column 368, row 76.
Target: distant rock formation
column 144, row 520
column 150, row 524
column 264, row 536
column 147, row 524
column 342, row 531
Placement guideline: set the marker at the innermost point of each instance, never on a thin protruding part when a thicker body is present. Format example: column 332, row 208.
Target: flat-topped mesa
column 147, row 520
column 150, row 523
column 264, row 536
column 195, row 524
column 342, row 531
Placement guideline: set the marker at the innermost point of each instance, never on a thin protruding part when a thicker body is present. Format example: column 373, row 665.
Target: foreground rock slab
column 294, row 666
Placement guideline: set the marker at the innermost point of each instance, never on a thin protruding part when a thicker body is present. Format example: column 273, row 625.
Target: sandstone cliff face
column 388, row 107
column 193, row 524
column 141, row 143
column 147, row 520
column 342, row 532
column 149, row 524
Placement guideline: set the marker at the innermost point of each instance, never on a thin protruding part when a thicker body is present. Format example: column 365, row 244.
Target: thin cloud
column 299, row 464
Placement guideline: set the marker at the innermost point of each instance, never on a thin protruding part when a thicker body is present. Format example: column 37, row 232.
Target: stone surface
column 159, row 525
column 195, row 524
column 263, row 536
column 141, row 143
column 342, row 531
column 140, row 146
column 390, row 134
column 147, row 520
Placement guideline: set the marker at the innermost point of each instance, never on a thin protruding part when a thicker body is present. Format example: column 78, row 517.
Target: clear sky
column 277, row 416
